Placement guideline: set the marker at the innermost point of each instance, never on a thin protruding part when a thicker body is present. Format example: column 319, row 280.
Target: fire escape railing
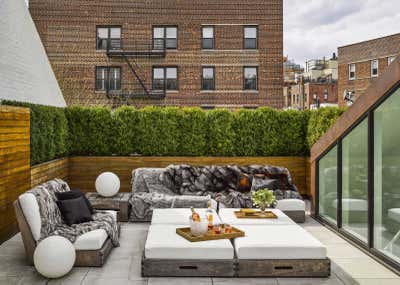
column 129, row 52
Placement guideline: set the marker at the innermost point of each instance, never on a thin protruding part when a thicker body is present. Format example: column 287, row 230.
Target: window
column 208, row 78
column 207, row 37
column 165, row 37
column 108, row 37
column 391, row 59
column 327, row 185
column 386, row 180
column 355, row 181
column 374, row 68
column 352, row 71
column 250, row 37
column 108, row 78
column 250, row 78
column 326, row 95
column 165, row 78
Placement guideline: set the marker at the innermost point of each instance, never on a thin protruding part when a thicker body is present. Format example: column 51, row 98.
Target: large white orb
column 54, row 257
column 107, row 184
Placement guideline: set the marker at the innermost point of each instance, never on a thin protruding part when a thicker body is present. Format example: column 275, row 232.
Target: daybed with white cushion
column 92, row 247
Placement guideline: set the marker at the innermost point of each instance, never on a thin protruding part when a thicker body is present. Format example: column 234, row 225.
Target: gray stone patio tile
column 14, row 266
column 118, row 268
column 76, row 276
column 380, row 281
column 112, row 281
column 245, row 281
column 180, row 281
column 326, row 236
column 10, row 280
column 344, row 251
column 363, row 268
column 135, row 270
column 332, row 280
column 33, row 278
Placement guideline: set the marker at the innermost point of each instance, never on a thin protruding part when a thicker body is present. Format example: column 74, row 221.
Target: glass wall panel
column 355, row 181
column 328, row 185
column 387, row 177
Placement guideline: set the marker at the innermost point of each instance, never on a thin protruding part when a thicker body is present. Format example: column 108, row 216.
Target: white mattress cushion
column 178, row 216
column 30, row 208
column 273, row 242
column 349, row 204
column 227, row 216
column 394, row 214
column 164, row 243
column 92, row 240
column 291, row 205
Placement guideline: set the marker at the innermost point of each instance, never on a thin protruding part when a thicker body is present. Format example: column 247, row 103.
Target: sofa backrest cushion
column 30, row 208
column 146, row 180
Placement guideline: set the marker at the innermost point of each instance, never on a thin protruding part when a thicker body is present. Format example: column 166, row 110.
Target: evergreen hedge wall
column 155, row 131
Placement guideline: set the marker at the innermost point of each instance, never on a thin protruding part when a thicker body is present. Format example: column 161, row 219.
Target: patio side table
column 119, row 203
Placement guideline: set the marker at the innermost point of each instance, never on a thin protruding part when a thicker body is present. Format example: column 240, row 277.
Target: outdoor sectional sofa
column 38, row 217
column 184, row 186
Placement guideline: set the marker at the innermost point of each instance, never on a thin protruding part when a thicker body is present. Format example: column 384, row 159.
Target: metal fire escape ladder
column 146, row 91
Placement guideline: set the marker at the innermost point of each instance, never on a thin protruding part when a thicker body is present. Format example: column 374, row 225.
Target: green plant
column 263, row 198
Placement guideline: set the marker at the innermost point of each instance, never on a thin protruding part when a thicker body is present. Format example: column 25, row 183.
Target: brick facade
column 302, row 95
column 361, row 54
column 68, row 32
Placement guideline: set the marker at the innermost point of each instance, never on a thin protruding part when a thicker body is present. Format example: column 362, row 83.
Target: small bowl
column 198, row 228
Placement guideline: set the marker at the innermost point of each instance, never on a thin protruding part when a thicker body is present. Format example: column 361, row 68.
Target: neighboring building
column 176, row 53
column 322, row 70
column 313, row 95
column 361, row 63
column 25, row 70
column 291, row 71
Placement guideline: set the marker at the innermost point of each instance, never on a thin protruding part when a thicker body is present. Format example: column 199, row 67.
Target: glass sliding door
column 387, row 177
column 355, row 182
column 327, row 187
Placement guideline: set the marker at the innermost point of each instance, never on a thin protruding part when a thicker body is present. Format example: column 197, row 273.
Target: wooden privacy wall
column 14, row 163
column 43, row 172
column 84, row 170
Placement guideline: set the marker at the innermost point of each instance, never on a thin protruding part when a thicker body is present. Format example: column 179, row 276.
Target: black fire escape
column 138, row 87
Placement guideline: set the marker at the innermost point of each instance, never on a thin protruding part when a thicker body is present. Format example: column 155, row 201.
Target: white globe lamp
column 54, row 257
column 107, row 184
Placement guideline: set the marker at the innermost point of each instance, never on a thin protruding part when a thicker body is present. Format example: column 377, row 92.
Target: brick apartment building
column 176, row 52
column 361, row 63
column 311, row 95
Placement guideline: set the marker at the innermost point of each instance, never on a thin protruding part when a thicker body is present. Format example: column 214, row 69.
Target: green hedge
column 320, row 121
column 49, row 131
column 157, row 131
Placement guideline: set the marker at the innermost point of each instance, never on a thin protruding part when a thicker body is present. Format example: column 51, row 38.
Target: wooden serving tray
column 255, row 215
column 185, row 233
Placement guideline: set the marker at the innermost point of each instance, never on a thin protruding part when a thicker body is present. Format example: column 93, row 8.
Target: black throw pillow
column 74, row 211
column 73, row 194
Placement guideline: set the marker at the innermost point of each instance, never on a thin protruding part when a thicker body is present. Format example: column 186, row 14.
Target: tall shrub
column 192, row 127
column 220, row 134
column 126, row 131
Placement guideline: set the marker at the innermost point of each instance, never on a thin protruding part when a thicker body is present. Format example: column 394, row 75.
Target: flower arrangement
column 263, row 198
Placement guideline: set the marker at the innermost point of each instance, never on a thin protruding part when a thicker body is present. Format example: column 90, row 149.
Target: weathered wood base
column 296, row 216
column 236, row 268
column 187, row 268
column 93, row 258
column 284, row 268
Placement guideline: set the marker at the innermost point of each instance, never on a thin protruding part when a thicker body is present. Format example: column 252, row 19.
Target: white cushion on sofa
column 163, row 243
column 349, row 204
column 92, row 240
column 227, row 216
column 394, row 214
column 30, row 208
column 278, row 242
column 178, row 216
column 291, row 205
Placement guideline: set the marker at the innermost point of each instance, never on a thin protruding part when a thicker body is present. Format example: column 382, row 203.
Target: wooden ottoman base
column 93, row 258
column 187, row 268
column 284, row 268
column 236, row 268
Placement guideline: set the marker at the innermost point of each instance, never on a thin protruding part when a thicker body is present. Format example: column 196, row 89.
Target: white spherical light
column 54, row 257
column 107, row 184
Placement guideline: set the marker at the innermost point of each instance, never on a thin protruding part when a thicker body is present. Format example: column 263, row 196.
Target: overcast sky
column 315, row 28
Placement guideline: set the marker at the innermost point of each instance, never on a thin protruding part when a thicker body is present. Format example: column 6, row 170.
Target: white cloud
column 315, row 28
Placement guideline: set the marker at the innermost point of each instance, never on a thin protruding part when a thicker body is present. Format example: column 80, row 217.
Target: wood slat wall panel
column 84, row 170
column 14, row 163
column 49, row 170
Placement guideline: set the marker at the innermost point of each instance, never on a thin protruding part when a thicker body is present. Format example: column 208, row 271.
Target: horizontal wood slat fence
column 14, row 164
